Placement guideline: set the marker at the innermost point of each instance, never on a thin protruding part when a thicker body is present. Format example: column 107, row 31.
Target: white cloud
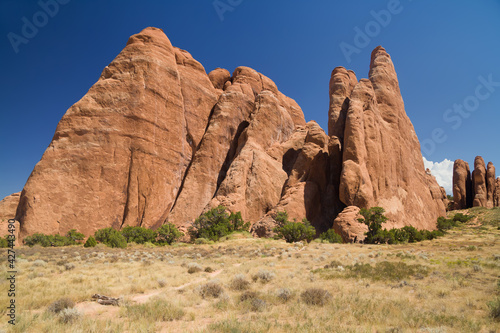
column 443, row 171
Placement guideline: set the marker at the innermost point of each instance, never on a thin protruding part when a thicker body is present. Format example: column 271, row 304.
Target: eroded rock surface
column 462, row 185
column 156, row 139
column 381, row 163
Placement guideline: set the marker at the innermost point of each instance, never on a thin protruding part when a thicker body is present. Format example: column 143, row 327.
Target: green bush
column 139, row 235
column 444, row 224
column 414, row 235
column 294, row 231
column 37, row 239
column 217, row 223
column 74, row 236
column 400, row 236
column 459, row 217
column 331, row 237
column 494, row 307
column 111, row 237
column 168, row 234
column 71, row 238
column 373, row 218
column 91, row 242
column 4, row 242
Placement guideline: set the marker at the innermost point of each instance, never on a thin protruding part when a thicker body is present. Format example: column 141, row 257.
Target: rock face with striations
column 462, row 185
column 8, row 208
column 119, row 154
column 156, row 139
column 381, row 160
column 479, row 183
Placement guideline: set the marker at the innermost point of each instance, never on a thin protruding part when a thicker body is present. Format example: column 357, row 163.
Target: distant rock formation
column 462, row 185
column 496, row 197
column 490, row 185
column 480, row 190
column 8, row 208
column 156, row 139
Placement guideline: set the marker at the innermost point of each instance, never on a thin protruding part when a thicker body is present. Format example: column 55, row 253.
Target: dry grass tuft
column 315, row 296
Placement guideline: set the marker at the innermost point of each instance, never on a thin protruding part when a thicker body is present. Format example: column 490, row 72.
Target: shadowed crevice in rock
column 163, row 219
column 127, row 189
column 231, row 154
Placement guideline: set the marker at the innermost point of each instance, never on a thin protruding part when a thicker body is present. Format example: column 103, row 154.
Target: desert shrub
column 168, row 234
column 61, row 304
column 202, row 241
column 39, row 263
column 386, row 270
column 430, row 235
column 281, row 218
column 209, row 269
column 91, row 242
column 36, row 239
column 257, row 305
column 239, row 282
column 315, row 296
column 52, row 240
column 111, row 237
column 248, row 295
column 459, row 217
column 284, row 294
column 444, row 224
column 264, row 276
column 69, row 315
column 139, row 235
column 74, row 236
column 157, row 309
column 194, row 268
column 494, row 307
column 295, row 231
column 217, row 223
column 330, row 236
column 211, row 289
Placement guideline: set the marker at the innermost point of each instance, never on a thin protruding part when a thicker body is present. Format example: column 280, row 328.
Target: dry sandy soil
column 261, row 285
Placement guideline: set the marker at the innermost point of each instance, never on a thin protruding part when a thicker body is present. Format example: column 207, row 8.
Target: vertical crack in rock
column 231, row 154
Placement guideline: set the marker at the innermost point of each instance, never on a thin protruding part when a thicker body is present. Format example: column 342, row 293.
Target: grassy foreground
column 262, row 285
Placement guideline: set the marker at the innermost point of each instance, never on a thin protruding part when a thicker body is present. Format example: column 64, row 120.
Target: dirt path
column 95, row 309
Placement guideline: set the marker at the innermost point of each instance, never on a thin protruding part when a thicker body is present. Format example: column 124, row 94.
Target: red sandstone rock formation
column 462, row 185
column 8, row 208
column 348, row 226
column 479, row 183
column 480, row 190
column 490, row 185
column 157, row 139
column 381, row 160
column 496, row 199
column 119, row 154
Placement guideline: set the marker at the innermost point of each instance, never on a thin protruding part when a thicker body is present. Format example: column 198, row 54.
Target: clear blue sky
column 439, row 48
